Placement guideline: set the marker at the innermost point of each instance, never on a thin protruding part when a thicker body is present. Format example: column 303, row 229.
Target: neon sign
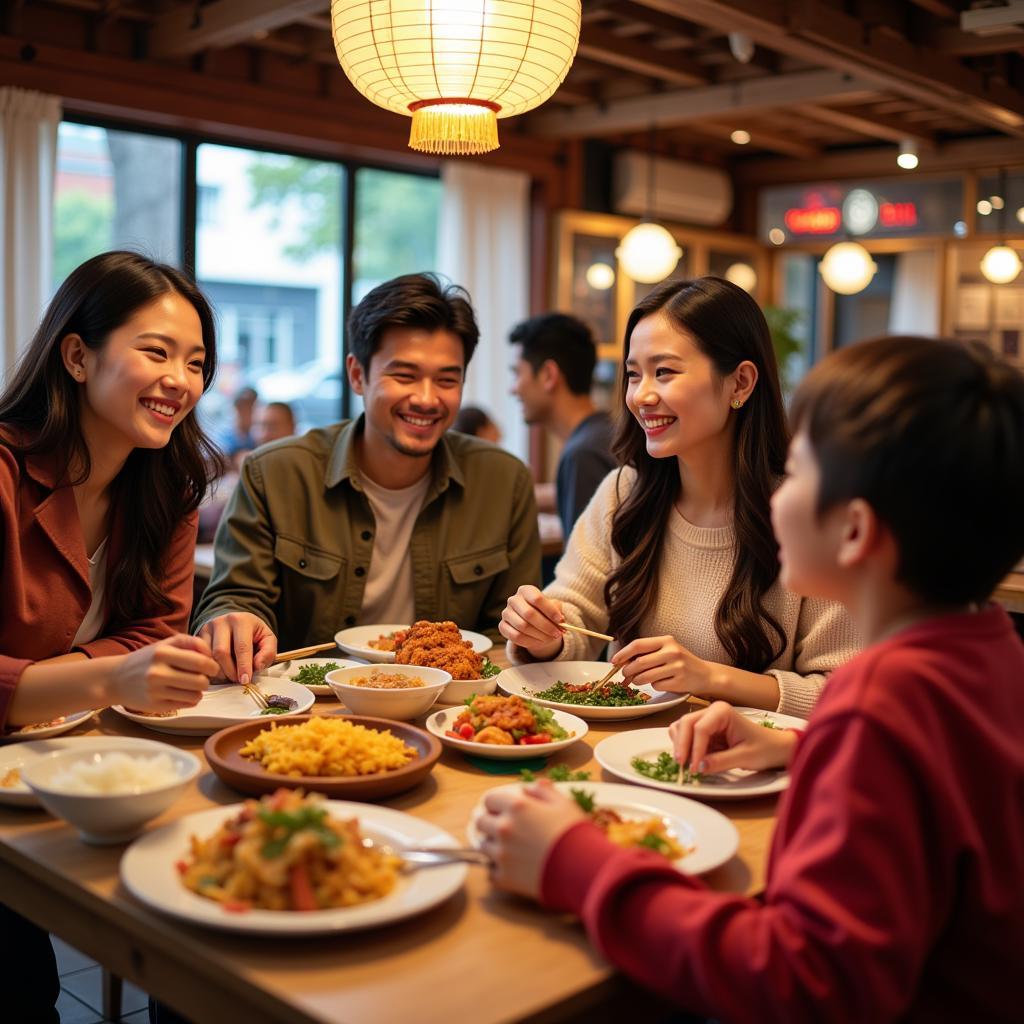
column 820, row 220
column 897, row 215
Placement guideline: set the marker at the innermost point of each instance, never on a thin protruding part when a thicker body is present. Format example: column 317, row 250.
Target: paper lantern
column 847, row 268
column 1001, row 264
column 600, row 276
column 648, row 253
column 456, row 66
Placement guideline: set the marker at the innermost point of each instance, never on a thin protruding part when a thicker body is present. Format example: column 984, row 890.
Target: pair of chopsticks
column 258, row 699
column 303, row 652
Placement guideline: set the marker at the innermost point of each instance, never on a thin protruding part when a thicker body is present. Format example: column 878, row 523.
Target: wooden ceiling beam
column 776, row 142
column 956, row 43
column 865, row 121
column 186, row 30
column 940, row 8
column 683, row 106
column 825, row 35
column 629, row 55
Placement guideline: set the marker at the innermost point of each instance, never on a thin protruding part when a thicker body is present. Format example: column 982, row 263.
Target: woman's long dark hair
column 156, row 488
column 728, row 327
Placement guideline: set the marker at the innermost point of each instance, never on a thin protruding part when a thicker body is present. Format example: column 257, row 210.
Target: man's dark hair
column 564, row 340
column 931, row 434
column 424, row 301
column 285, row 408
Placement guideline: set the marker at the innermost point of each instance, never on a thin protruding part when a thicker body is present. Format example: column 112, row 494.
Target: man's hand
column 242, row 644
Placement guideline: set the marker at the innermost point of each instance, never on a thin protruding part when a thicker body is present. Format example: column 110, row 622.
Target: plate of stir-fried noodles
column 289, row 864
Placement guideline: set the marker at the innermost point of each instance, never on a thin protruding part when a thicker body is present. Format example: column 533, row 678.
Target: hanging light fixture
column 456, row 66
column 1001, row 264
column 600, row 276
column 847, row 268
column 907, row 158
column 648, row 253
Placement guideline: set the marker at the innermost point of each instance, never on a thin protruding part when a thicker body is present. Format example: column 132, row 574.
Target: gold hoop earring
column 737, row 404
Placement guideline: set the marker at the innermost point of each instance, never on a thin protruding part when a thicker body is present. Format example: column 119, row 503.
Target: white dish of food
column 530, row 680
column 300, row 669
column 61, row 724
column 223, row 705
column 708, row 837
column 149, row 872
column 398, row 692
column 357, row 641
column 441, row 723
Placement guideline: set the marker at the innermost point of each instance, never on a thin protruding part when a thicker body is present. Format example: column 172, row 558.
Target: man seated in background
column 238, row 439
column 472, row 420
column 383, row 519
column 554, row 358
column 272, row 421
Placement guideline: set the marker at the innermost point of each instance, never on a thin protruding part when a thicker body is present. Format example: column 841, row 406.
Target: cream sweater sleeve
column 581, row 572
column 825, row 638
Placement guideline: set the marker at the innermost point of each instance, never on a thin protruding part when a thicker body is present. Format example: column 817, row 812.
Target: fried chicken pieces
column 439, row 645
column 496, row 717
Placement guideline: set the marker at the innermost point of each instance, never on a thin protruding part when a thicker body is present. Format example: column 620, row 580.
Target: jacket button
column 366, row 535
column 350, row 620
column 478, row 570
column 302, row 563
column 360, row 571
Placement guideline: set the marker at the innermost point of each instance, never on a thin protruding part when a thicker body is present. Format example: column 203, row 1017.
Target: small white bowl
column 104, row 818
column 458, row 691
column 397, row 704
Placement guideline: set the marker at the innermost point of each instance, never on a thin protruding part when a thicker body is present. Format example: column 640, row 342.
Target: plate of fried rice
column 290, row 864
column 350, row 756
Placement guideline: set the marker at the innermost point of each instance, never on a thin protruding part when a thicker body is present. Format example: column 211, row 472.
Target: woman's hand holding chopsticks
column 532, row 621
column 664, row 663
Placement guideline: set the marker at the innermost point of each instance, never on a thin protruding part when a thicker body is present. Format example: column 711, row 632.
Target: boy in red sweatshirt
column 895, row 885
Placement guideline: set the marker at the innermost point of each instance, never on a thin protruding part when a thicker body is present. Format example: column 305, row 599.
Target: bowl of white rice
column 108, row 794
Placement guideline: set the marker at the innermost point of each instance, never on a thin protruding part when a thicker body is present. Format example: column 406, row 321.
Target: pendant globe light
column 847, row 268
column 1001, row 264
column 456, row 66
column 648, row 253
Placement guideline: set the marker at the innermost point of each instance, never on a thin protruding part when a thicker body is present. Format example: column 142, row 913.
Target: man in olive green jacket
column 386, row 518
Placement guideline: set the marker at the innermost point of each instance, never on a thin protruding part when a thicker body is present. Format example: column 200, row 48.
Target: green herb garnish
column 664, row 769
column 611, row 695
column 315, row 675
column 275, row 711
column 584, row 799
column 655, row 843
column 556, row 773
column 768, row 723
column 489, row 669
column 306, row 819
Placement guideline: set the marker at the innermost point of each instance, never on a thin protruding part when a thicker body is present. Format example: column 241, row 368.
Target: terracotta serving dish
column 221, row 751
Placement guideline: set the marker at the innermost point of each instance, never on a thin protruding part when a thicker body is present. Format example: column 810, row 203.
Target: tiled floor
column 81, row 1000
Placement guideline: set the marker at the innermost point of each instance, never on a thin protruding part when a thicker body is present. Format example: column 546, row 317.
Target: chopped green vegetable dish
column 664, row 769
column 556, row 773
column 315, row 675
column 611, row 695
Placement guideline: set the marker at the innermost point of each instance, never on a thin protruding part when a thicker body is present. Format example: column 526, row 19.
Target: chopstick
column 586, row 632
column 601, row 682
column 257, row 696
column 303, row 652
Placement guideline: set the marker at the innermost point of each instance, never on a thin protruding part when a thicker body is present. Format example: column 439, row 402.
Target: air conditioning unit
column 685, row 192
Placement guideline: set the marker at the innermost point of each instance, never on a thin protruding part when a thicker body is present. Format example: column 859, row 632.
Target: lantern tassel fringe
column 462, row 131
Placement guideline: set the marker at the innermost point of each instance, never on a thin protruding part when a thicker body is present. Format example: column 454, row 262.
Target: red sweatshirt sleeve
column 847, row 917
column 179, row 569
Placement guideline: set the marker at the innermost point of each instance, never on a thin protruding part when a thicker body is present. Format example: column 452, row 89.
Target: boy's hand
column 719, row 738
column 530, row 620
column 519, row 829
column 164, row 676
column 242, row 643
column 664, row 663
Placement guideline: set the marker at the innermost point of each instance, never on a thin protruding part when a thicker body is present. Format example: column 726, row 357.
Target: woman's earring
column 736, row 403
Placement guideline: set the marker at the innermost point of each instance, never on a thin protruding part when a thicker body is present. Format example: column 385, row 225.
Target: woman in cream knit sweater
column 674, row 556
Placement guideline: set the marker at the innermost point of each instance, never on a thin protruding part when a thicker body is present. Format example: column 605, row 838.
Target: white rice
column 115, row 773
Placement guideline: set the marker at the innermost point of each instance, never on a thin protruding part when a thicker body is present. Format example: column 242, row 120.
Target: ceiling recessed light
column 740, row 137
column 984, row 207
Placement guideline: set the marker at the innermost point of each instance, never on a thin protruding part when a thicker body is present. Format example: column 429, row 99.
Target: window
column 115, row 189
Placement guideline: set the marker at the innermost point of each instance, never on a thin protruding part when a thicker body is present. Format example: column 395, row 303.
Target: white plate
column 21, row 754
column 224, row 705
column 439, row 721
column 711, row 834
column 615, row 754
column 355, row 640
column 529, row 680
column 279, row 672
column 67, row 725
column 149, row 874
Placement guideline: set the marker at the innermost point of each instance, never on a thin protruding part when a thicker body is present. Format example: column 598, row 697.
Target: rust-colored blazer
column 44, row 574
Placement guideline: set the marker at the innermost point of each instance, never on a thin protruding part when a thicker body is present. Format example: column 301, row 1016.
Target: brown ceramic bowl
column 221, row 751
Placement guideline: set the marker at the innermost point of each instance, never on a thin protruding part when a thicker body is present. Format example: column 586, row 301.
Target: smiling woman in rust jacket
column 102, row 466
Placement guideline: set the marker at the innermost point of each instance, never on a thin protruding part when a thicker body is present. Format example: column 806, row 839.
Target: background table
column 481, row 956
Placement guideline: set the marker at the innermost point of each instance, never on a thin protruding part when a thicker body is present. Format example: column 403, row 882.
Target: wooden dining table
column 482, row 955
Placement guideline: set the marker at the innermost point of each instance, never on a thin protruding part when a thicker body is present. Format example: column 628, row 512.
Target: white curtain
column 483, row 245
column 28, row 158
column 915, row 294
